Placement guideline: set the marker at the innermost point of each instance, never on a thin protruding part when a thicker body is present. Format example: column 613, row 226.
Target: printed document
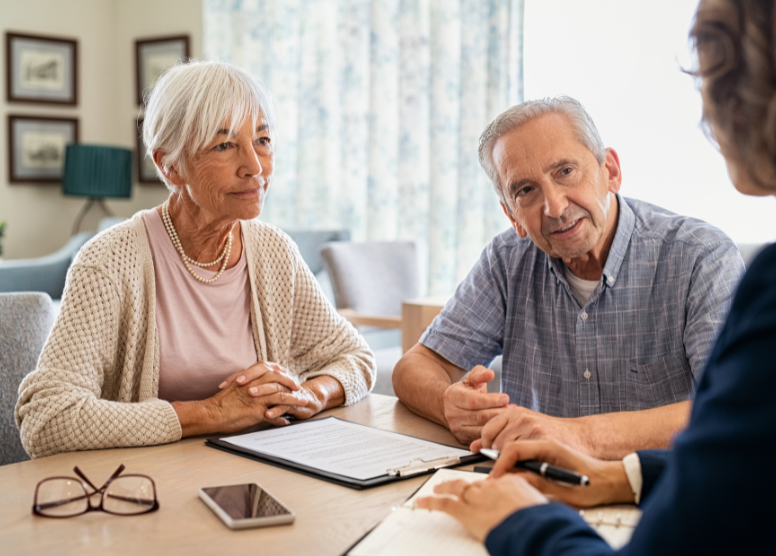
column 348, row 449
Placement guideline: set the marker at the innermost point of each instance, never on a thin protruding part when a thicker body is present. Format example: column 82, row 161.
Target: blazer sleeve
column 652, row 464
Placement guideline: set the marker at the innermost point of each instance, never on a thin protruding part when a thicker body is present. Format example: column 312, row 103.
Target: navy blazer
column 717, row 493
column 652, row 464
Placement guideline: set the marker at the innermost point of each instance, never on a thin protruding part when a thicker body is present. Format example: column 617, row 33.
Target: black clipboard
column 358, row 484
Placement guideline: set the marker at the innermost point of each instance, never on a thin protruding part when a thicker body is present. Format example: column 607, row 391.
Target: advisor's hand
column 482, row 505
column 468, row 405
column 608, row 481
column 519, row 423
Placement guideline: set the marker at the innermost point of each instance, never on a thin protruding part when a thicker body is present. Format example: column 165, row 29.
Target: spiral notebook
column 413, row 531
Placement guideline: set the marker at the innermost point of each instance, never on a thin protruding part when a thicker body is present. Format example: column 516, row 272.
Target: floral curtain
column 380, row 104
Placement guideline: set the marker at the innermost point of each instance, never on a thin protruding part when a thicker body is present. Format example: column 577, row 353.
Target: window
column 622, row 60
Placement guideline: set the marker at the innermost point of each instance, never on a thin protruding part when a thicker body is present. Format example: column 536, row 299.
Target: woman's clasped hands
column 264, row 392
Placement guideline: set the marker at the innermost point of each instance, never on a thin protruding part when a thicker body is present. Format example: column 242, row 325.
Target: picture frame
column 41, row 69
column 146, row 169
column 153, row 56
column 36, row 147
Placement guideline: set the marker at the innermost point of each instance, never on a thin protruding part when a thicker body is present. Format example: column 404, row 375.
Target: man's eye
column 565, row 171
column 524, row 191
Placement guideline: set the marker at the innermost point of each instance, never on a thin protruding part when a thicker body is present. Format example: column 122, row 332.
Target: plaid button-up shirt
column 640, row 341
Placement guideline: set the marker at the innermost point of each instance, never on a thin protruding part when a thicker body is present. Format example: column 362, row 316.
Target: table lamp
column 96, row 172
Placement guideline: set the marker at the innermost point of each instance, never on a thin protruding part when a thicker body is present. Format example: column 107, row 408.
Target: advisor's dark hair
column 734, row 43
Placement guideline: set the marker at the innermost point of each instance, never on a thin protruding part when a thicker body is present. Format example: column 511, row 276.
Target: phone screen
column 245, row 501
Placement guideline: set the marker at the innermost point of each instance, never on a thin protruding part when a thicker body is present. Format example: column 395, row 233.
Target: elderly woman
column 714, row 492
column 192, row 318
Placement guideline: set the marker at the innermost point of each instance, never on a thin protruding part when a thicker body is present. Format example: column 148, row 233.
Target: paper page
column 344, row 448
column 412, row 531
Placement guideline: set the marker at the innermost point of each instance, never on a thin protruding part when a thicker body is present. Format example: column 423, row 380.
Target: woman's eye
column 221, row 147
column 265, row 141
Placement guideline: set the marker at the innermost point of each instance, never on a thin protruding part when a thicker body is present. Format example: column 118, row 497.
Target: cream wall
column 39, row 218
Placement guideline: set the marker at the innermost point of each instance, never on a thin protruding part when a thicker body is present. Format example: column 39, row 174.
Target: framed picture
column 36, row 147
column 41, row 69
column 146, row 169
column 153, row 56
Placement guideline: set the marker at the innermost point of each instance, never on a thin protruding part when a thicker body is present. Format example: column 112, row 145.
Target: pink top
column 204, row 329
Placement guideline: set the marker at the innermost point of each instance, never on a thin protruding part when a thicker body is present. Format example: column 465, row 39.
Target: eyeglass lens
column 61, row 497
column 127, row 495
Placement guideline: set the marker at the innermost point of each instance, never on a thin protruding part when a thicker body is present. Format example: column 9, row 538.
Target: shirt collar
column 626, row 221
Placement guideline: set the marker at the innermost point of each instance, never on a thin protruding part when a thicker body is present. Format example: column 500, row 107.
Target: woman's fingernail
column 222, row 385
column 270, row 414
column 253, row 390
column 241, row 379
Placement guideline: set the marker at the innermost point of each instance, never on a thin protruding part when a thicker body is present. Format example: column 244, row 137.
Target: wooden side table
column 416, row 316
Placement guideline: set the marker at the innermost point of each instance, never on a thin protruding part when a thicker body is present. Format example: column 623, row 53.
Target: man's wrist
column 583, row 434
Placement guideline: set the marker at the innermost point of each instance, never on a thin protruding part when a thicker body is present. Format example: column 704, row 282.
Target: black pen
column 544, row 469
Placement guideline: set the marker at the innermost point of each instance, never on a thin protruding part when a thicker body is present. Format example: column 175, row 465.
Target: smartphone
column 244, row 506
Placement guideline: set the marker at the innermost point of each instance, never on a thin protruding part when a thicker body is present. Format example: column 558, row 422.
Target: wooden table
column 329, row 518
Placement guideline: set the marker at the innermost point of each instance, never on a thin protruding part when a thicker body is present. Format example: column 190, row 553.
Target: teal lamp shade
column 95, row 171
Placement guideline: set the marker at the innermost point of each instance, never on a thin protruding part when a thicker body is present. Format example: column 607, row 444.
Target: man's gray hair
column 192, row 101
column 514, row 117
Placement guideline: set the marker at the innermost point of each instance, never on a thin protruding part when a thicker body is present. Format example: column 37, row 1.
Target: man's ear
column 614, row 172
column 171, row 173
column 518, row 228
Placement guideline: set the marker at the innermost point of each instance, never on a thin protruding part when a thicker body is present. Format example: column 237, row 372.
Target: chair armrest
column 42, row 274
column 359, row 319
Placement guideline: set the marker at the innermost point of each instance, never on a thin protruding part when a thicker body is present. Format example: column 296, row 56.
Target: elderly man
column 605, row 309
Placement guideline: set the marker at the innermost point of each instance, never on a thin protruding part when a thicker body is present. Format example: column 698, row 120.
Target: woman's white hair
column 192, row 101
column 514, row 117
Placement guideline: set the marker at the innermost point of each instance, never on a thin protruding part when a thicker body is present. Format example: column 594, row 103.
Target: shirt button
column 587, row 374
column 584, row 315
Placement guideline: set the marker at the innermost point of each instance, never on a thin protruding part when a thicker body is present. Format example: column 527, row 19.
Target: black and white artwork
column 36, row 147
column 153, row 56
column 41, row 69
column 146, row 169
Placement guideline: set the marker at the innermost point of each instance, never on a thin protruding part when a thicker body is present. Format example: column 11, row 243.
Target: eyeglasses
column 120, row 495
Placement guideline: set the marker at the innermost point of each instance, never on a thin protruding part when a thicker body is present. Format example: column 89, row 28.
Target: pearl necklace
column 187, row 261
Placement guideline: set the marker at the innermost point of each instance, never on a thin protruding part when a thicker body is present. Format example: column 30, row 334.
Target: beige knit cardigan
column 97, row 379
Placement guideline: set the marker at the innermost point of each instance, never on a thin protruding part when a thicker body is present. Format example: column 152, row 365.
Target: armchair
column 42, row 274
column 370, row 281
column 26, row 321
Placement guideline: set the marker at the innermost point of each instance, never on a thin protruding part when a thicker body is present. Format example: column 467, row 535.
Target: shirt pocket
column 665, row 381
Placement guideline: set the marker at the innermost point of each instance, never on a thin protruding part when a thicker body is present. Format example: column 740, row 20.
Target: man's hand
column 468, row 405
column 482, row 505
column 608, row 482
column 519, row 423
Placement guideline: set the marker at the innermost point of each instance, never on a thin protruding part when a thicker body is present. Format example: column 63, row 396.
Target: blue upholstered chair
column 309, row 243
column 42, row 274
column 26, row 319
column 370, row 281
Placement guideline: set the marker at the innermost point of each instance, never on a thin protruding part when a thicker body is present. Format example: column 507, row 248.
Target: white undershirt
column 582, row 289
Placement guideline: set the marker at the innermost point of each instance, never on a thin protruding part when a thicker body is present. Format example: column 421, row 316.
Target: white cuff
column 632, row 465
